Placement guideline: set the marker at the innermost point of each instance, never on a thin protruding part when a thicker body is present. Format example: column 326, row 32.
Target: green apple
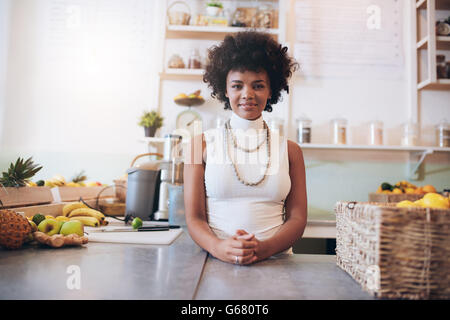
column 49, row 226
column 71, row 227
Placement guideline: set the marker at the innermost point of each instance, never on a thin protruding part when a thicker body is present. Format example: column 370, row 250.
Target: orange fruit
column 419, row 191
column 429, row 189
column 379, row 190
column 397, row 191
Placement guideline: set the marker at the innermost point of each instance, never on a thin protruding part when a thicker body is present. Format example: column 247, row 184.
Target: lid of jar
column 376, row 123
column 444, row 124
column 304, row 120
column 339, row 120
column 410, row 127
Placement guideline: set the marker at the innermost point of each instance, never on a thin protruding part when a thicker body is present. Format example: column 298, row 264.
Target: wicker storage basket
column 385, row 197
column 395, row 252
column 176, row 17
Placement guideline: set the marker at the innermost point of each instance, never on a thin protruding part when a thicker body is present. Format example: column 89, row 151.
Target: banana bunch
column 57, row 181
column 81, row 212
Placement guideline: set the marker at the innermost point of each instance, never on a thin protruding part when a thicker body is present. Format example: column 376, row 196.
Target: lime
column 137, row 223
column 38, row 218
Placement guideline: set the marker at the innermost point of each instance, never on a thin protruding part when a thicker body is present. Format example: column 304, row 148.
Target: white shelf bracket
column 415, row 164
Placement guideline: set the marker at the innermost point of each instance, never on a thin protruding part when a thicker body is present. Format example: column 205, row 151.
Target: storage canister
column 339, row 130
column 304, row 130
column 376, row 133
column 410, row 134
column 443, row 134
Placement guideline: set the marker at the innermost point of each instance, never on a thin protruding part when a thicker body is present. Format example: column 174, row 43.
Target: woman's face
column 248, row 93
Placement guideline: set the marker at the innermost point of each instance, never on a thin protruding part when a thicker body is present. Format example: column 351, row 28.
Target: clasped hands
column 242, row 248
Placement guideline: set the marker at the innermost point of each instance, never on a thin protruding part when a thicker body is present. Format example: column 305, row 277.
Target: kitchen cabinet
column 427, row 43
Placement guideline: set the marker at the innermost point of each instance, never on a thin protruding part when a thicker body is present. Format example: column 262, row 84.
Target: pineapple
column 14, row 229
column 79, row 179
column 19, row 173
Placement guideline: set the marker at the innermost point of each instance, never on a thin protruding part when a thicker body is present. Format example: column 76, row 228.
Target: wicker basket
column 386, row 197
column 176, row 17
column 395, row 252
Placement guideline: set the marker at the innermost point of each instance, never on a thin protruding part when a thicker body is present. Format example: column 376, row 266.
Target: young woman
column 244, row 186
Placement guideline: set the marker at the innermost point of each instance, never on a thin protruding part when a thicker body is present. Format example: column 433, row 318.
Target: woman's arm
column 295, row 205
column 195, row 210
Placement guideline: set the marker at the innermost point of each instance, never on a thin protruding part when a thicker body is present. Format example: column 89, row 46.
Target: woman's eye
column 259, row 86
column 236, row 86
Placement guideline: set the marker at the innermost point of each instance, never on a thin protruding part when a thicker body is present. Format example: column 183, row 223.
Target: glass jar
column 443, row 134
column 441, row 71
column 194, row 61
column 376, row 133
column 339, row 130
column 303, row 130
column 410, row 135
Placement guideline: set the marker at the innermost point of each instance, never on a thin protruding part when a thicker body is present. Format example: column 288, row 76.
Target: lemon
column 397, row 191
column 419, row 203
column 409, row 190
column 407, row 204
column 435, row 200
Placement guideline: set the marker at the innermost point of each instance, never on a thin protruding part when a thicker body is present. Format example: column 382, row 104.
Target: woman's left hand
column 260, row 247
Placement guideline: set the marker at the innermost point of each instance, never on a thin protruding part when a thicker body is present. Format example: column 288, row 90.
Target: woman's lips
column 248, row 106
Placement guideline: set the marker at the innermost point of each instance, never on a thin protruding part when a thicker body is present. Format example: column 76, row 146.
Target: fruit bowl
column 189, row 102
column 193, row 99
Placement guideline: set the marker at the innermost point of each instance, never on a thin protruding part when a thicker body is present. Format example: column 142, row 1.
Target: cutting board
column 147, row 237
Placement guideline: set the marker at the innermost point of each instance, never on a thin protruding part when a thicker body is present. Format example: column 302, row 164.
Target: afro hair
column 249, row 51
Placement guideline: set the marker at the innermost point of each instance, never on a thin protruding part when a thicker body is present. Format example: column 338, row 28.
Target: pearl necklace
column 267, row 140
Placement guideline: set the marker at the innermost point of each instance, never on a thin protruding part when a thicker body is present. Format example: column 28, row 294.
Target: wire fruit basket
column 176, row 16
column 400, row 253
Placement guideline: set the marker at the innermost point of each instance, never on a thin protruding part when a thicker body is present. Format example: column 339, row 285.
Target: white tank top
column 231, row 205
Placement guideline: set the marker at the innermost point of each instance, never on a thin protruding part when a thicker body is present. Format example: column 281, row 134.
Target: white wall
column 4, row 33
column 79, row 76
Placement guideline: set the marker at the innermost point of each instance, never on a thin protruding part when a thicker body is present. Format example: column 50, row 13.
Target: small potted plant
column 151, row 121
column 213, row 8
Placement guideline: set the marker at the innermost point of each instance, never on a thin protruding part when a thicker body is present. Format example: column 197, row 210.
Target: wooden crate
column 25, row 196
column 64, row 194
column 395, row 252
column 54, row 209
column 388, row 198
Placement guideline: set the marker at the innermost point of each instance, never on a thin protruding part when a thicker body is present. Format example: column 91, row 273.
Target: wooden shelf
column 443, row 42
column 182, row 74
column 208, row 32
column 440, row 84
column 440, row 4
column 367, row 147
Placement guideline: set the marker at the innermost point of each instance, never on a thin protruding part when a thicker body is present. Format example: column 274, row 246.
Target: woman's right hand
column 241, row 247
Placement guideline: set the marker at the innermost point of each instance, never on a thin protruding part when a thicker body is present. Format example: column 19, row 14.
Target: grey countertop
column 180, row 271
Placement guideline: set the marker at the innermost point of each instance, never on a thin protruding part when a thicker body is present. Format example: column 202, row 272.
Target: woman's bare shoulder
column 294, row 151
column 196, row 151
